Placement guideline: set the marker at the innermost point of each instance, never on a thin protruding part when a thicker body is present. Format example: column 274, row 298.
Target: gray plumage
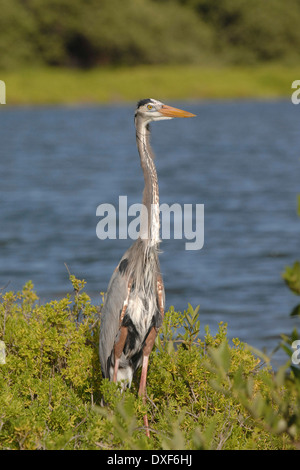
column 141, row 265
column 134, row 305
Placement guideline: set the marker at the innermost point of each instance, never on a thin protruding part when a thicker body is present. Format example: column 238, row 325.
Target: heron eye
column 149, row 106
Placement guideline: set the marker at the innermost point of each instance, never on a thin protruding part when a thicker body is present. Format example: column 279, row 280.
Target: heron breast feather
column 141, row 316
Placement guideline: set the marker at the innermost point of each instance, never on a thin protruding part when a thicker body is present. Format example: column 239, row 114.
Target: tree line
column 89, row 33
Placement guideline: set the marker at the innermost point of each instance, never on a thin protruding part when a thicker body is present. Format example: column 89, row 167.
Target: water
column 239, row 159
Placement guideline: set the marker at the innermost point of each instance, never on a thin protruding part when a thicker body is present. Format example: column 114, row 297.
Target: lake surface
column 240, row 159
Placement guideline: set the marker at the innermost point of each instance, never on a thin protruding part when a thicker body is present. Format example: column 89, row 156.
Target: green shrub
column 249, row 32
column 100, row 32
column 89, row 33
column 203, row 392
column 51, row 375
column 291, row 275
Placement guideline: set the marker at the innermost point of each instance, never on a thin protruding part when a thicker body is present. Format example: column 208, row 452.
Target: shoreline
column 122, row 85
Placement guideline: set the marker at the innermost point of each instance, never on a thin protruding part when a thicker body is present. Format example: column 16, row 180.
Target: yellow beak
column 174, row 112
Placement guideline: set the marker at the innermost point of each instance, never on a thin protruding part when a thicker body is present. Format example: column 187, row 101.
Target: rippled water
column 239, row 159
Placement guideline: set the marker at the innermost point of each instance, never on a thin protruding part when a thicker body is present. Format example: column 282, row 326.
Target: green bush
column 101, row 32
column 89, row 33
column 291, row 275
column 249, row 32
column 16, row 30
column 204, row 392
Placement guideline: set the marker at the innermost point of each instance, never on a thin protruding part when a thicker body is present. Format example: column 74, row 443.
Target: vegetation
column 99, row 51
column 87, row 33
column 203, row 392
column 291, row 276
column 54, row 85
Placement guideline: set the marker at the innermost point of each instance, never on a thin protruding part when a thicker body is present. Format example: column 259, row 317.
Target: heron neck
column 149, row 217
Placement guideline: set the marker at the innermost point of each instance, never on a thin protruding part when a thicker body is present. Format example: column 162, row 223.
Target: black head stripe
column 142, row 102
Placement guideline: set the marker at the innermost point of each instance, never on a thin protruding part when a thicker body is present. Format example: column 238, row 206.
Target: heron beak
column 174, row 112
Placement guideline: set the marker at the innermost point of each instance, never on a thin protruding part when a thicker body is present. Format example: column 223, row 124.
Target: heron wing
column 117, row 293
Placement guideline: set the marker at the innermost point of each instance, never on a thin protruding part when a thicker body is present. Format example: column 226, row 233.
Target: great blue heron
column 133, row 309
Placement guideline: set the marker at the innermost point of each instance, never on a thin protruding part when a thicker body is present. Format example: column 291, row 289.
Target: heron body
column 134, row 305
column 132, row 302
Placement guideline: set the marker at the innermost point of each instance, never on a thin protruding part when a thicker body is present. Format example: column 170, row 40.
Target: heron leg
column 119, row 346
column 148, row 348
column 146, row 353
column 142, row 390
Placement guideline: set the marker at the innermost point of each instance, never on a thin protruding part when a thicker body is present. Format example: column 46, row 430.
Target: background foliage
column 87, row 33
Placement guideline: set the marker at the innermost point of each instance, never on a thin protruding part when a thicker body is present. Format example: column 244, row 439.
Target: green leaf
column 221, row 356
column 296, row 371
column 291, row 276
column 296, row 311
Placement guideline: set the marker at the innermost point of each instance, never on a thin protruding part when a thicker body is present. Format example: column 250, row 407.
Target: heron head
column 154, row 110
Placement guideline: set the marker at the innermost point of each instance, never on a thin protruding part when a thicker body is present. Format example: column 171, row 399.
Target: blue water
column 240, row 159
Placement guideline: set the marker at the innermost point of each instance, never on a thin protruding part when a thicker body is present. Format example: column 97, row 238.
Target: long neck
column 150, row 219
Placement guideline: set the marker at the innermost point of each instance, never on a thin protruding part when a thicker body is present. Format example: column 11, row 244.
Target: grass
column 42, row 85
